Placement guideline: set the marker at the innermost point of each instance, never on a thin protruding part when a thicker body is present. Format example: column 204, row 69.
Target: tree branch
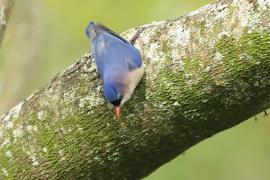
column 205, row 72
column 5, row 8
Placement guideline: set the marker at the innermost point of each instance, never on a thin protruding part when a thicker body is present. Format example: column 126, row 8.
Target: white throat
column 133, row 78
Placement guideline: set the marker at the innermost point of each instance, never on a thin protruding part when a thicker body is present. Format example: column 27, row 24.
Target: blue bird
column 119, row 64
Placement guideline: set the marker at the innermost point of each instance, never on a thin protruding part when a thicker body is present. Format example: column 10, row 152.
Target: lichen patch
column 40, row 115
column 18, row 132
column 180, row 35
column 264, row 4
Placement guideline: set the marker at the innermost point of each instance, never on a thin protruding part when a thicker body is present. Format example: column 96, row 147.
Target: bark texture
column 5, row 8
column 205, row 72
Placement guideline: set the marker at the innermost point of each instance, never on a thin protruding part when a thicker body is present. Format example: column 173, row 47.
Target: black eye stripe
column 117, row 102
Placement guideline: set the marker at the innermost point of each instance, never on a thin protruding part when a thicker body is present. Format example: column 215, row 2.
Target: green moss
column 192, row 93
column 244, row 60
column 231, row 9
column 217, row 29
column 166, row 49
column 257, row 47
column 231, row 52
column 241, row 55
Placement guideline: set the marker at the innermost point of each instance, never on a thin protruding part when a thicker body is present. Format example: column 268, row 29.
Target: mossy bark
column 204, row 72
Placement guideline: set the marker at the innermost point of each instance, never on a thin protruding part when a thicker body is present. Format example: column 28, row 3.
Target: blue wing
column 113, row 52
column 107, row 30
column 135, row 60
column 124, row 54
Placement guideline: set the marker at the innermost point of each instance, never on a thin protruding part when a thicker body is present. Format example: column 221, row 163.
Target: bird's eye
column 119, row 96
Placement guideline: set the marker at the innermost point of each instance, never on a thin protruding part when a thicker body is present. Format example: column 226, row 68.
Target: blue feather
column 110, row 49
column 115, row 58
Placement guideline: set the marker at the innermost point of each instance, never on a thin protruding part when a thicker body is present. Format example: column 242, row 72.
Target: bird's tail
column 90, row 30
column 94, row 28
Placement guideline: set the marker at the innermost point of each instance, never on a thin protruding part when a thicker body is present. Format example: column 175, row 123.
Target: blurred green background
column 46, row 36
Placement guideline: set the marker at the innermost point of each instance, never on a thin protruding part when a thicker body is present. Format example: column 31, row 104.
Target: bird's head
column 114, row 93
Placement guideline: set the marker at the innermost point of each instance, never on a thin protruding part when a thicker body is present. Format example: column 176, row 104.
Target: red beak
column 117, row 111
